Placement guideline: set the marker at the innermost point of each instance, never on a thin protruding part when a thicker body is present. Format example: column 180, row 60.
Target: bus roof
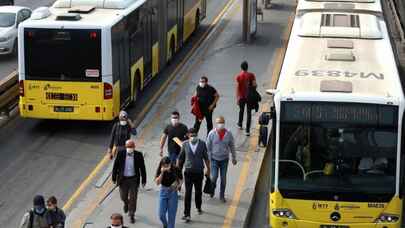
column 340, row 67
column 106, row 13
column 342, row 5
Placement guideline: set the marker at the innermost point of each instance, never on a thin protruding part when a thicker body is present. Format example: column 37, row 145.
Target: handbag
column 208, row 186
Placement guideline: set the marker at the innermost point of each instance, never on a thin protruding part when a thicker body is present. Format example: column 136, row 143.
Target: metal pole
column 245, row 21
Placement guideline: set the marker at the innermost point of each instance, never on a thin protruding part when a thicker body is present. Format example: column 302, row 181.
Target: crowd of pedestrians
column 189, row 159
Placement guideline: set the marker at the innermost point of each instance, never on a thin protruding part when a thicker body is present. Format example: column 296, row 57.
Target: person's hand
column 161, row 152
column 234, row 162
column 207, row 172
column 109, row 152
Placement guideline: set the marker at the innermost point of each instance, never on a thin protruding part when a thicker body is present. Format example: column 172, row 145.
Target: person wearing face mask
column 193, row 156
column 175, row 129
column 169, row 177
column 220, row 143
column 36, row 217
column 117, row 221
column 128, row 170
column 120, row 133
column 55, row 216
column 207, row 97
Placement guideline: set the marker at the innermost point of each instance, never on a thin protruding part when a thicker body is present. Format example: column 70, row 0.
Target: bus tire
column 197, row 21
column 136, row 86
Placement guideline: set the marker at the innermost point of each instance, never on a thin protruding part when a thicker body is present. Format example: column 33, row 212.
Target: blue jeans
column 168, row 206
column 222, row 167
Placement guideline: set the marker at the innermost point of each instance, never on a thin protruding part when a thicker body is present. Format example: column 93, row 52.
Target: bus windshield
column 62, row 54
column 338, row 152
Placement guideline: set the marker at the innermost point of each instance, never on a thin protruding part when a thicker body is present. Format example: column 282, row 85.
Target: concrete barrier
column 9, row 93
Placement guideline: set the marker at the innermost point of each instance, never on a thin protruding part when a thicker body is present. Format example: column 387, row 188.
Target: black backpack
column 264, row 118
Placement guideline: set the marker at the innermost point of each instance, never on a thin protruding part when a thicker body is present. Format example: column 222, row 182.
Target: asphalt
column 54, row 157
column 218, row 58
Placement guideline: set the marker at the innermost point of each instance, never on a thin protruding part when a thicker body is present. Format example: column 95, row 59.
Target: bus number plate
column 333, row 226
column 63, row 109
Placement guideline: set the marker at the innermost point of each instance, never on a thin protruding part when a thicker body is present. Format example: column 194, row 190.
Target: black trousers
column 208, row 118
column 242, row 104
column 191, row 179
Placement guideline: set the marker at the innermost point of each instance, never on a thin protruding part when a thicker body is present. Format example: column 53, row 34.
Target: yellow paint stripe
column 232, row 209
column 144, row 111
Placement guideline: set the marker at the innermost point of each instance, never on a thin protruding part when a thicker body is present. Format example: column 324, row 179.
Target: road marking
column 231, row 213
column 146, row 108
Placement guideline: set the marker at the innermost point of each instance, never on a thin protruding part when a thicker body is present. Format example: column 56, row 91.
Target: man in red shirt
column 243, row 80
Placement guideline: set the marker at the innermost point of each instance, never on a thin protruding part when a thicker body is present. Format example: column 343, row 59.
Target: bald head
column 130, row 144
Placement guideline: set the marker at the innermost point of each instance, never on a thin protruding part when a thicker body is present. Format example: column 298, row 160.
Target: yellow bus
column 86, row 62
column 338, row 119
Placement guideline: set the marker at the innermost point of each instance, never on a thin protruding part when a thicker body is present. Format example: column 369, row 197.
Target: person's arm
column 159, row 174
column 142, row 169
column 162, row 143
column 232, row 148
column 24, row 221
column 130, row 123
column 115, row 170
column 209, row 144
column 206, row 161
column 182, row 157
column 216, row 98
column 112, row 139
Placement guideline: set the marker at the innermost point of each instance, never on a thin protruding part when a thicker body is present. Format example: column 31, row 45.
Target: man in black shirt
column 173, row 130
column 207, row 100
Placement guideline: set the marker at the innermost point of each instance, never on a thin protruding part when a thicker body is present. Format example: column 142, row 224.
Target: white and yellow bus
column 337, row 145
column 85, row 60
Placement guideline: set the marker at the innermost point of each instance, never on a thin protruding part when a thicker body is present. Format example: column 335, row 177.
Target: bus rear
column 61, row 75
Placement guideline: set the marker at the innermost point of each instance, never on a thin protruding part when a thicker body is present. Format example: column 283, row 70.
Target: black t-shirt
column 206, row 96
column 179, row 131
column 170, row 176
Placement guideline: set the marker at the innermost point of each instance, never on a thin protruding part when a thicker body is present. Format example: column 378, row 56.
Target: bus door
column 180, row 21
column 147, row 42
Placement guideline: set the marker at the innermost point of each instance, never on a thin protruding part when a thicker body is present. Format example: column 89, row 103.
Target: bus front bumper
column 292, row 223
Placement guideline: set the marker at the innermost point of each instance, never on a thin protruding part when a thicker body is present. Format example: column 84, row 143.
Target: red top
column 243, row 79
column 221, row 133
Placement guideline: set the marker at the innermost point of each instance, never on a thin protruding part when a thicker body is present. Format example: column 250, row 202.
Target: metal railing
column 9, row 93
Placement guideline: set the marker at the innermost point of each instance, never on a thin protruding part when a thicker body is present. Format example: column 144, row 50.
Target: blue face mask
column 39, row 209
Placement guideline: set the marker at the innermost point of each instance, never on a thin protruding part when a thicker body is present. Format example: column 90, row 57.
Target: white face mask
column 130, row 150
column 175, row 121
column 112, row 226
column 193, row 139
column 123, row 122
column 202, row 84
column 220, row 126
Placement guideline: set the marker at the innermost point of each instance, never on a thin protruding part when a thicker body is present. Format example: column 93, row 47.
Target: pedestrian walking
column 169, row 177
column 55, row 216
column 117, row 221
column 120, row 133
column 220, row 143
column 175, row 129
column 36, row 217
column 207, row 97
column 128, row 170
column 243, row 80
column 193, row 156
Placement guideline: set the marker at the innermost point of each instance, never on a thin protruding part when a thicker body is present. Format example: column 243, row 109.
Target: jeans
column 222, row 167
column 168, row 200
column 191, row 179
column 242, row 104
column 208, row 118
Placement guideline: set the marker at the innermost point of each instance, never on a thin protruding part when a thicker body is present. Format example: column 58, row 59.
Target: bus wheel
column 197, row 21
column 137, row 87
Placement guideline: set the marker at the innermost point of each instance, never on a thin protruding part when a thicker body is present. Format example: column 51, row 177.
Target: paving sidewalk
column 218, row 58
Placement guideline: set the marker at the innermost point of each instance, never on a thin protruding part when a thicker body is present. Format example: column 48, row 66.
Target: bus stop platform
column 218, row 58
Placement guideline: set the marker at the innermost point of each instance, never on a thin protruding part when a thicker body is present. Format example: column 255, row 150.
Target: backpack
column 264, row 118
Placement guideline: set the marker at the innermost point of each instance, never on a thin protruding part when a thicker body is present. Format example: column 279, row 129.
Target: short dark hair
column 244, row 65
column 204, row 78
column 175, row 113
column 52, row 200
column 192, row 131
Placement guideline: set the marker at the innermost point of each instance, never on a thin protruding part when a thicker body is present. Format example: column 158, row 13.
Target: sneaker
column 247, row 133
column 186, row 218
column 200, row 212
column 125, row 208
column 239, row 126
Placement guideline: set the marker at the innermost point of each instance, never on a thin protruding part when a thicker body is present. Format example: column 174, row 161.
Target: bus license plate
column 63, row 109
column 333, row 226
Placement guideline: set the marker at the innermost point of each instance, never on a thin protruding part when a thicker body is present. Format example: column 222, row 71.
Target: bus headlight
column 387, row 218
column 284, row 213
